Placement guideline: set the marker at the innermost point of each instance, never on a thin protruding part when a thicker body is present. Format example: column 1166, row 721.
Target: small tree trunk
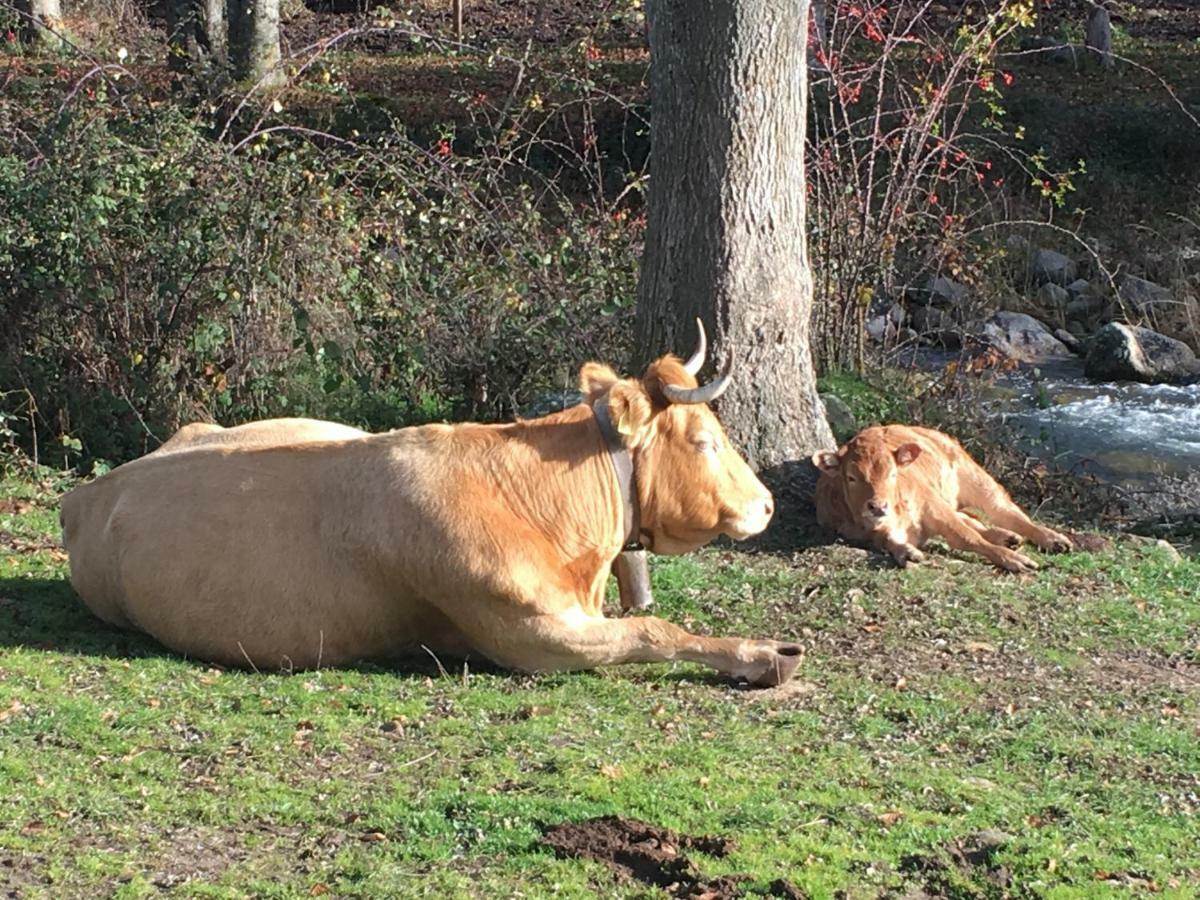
column 818, row 35
column 1099, row 36
column 725, row 238
column 45, row 29
column 196, row 34
column 254, row 41
column 458, row 19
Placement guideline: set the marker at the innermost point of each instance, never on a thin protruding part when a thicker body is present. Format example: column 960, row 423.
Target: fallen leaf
column 1170, row 711
column 872, row 627
column 374, row 837
column 979, row 647
column 888, row 819
column 610, row 771
column 901, row 683
column 318, row 890
column 11, row 710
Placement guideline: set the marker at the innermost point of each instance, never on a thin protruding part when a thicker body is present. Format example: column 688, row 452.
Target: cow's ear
column 826, row 460
column 594, row 379
column 629, row 408
column 906, row 453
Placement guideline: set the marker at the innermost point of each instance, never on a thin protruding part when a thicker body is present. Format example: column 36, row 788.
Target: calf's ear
column 906, row 453
column 630, row 410
column 825, row 460
column 594, row 379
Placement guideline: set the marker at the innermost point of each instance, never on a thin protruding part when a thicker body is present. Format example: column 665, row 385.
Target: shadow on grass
column 794, row 527
column 45, row 614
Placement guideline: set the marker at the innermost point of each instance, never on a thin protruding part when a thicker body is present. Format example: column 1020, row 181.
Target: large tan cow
column 493, row 540
column 630, row 567
column 897, row 486
column 269, row 432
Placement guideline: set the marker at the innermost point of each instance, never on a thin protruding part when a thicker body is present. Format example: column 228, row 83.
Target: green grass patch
column 934, row 704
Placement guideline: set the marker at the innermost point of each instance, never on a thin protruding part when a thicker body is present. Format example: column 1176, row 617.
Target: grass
column 934, row 703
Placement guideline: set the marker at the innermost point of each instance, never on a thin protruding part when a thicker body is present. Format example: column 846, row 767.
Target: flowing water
column 1143, row 437
column 1118, row 430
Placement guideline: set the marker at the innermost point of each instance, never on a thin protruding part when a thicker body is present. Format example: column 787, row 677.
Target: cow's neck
column 560, row 480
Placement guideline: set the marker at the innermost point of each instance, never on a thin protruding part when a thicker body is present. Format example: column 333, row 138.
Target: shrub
column 156, row 269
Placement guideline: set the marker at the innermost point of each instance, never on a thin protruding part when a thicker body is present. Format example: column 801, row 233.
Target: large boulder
column 841, row 419
column 884, row 328
column 1021, row 337
column 1053, row 296
column 1052, row 266
column 938, row 290
column 1119, row 352
column 553, row 402
column 1142, row 296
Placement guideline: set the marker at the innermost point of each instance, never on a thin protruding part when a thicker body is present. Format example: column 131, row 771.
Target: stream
column 1142, row 437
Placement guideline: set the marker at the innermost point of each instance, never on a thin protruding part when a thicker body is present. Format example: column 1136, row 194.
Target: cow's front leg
column 574, row 639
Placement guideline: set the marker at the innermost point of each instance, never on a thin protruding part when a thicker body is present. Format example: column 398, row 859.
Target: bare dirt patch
column 970, row 856
column 646, row 853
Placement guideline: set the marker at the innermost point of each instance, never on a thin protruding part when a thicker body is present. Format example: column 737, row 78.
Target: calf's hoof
column 778, row 665
column 1016, row 562
column 908, row 555
column 1004, row 538
column 1054, row 542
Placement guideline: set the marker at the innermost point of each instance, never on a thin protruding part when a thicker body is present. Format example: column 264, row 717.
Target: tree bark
column 46, row 26
column 725, row 238
column 254, row 41
column 196, row 31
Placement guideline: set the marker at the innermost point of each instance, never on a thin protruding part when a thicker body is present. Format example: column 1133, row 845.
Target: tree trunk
column 254, row 41
column 46, row 26
column 1098, row 36
column 725, row 238
column 196, row 34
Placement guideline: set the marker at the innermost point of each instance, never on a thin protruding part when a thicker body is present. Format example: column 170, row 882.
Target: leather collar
column 622, row 461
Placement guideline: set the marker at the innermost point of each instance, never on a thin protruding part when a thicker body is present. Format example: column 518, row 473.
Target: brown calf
column 897, row 486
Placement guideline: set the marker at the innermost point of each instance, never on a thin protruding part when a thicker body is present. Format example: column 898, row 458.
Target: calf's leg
column 979, row 489
column 1001, row 536
column 958, row 534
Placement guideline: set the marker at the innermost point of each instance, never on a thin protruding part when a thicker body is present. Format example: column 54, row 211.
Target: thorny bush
column 908, row 153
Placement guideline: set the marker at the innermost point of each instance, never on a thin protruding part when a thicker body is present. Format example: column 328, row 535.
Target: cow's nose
column 769, row 507
column 877, row 508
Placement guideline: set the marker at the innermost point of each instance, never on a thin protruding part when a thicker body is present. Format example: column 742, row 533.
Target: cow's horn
column 696, row 361
column 706, row 393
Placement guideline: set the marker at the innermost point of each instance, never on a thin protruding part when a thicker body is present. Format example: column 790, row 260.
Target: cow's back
column 266, row 433
column 935, row 472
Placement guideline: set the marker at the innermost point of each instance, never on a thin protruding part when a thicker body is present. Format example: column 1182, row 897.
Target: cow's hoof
column 1053, row 542
column 781, row 664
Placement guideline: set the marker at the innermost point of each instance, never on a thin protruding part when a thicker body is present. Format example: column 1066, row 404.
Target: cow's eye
column 705, row 443
column 851, row 479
